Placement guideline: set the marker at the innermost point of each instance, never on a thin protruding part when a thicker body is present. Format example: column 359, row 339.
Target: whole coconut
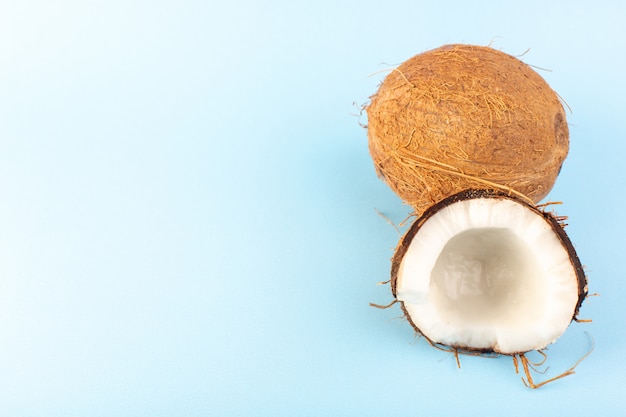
column 464, row 116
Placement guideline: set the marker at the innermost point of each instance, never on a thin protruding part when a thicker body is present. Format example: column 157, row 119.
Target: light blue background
column 188, row 220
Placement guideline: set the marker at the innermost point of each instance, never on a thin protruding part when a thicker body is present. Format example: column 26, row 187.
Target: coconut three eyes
column 484, row 271
column 464, row 116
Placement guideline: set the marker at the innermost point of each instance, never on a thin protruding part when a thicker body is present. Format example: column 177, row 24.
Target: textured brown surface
column 464, row 116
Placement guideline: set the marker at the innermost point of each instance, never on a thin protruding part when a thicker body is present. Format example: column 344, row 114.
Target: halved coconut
column 484, row 271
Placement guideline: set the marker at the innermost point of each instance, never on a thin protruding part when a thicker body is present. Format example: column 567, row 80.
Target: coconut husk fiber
column 465, row 116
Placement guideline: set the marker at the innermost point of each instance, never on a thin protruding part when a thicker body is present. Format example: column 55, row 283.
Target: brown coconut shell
column 553, row 220
column 464, row 116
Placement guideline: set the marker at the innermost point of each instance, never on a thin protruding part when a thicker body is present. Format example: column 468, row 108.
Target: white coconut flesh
column 488, row 274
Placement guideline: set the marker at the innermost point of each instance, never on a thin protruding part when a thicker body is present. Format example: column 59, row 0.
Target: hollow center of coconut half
column 483, row 271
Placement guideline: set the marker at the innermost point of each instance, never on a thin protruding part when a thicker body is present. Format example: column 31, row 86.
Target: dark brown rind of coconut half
column 550, row 218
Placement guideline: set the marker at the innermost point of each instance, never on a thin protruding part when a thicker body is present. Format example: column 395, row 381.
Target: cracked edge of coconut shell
column 550, row 218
